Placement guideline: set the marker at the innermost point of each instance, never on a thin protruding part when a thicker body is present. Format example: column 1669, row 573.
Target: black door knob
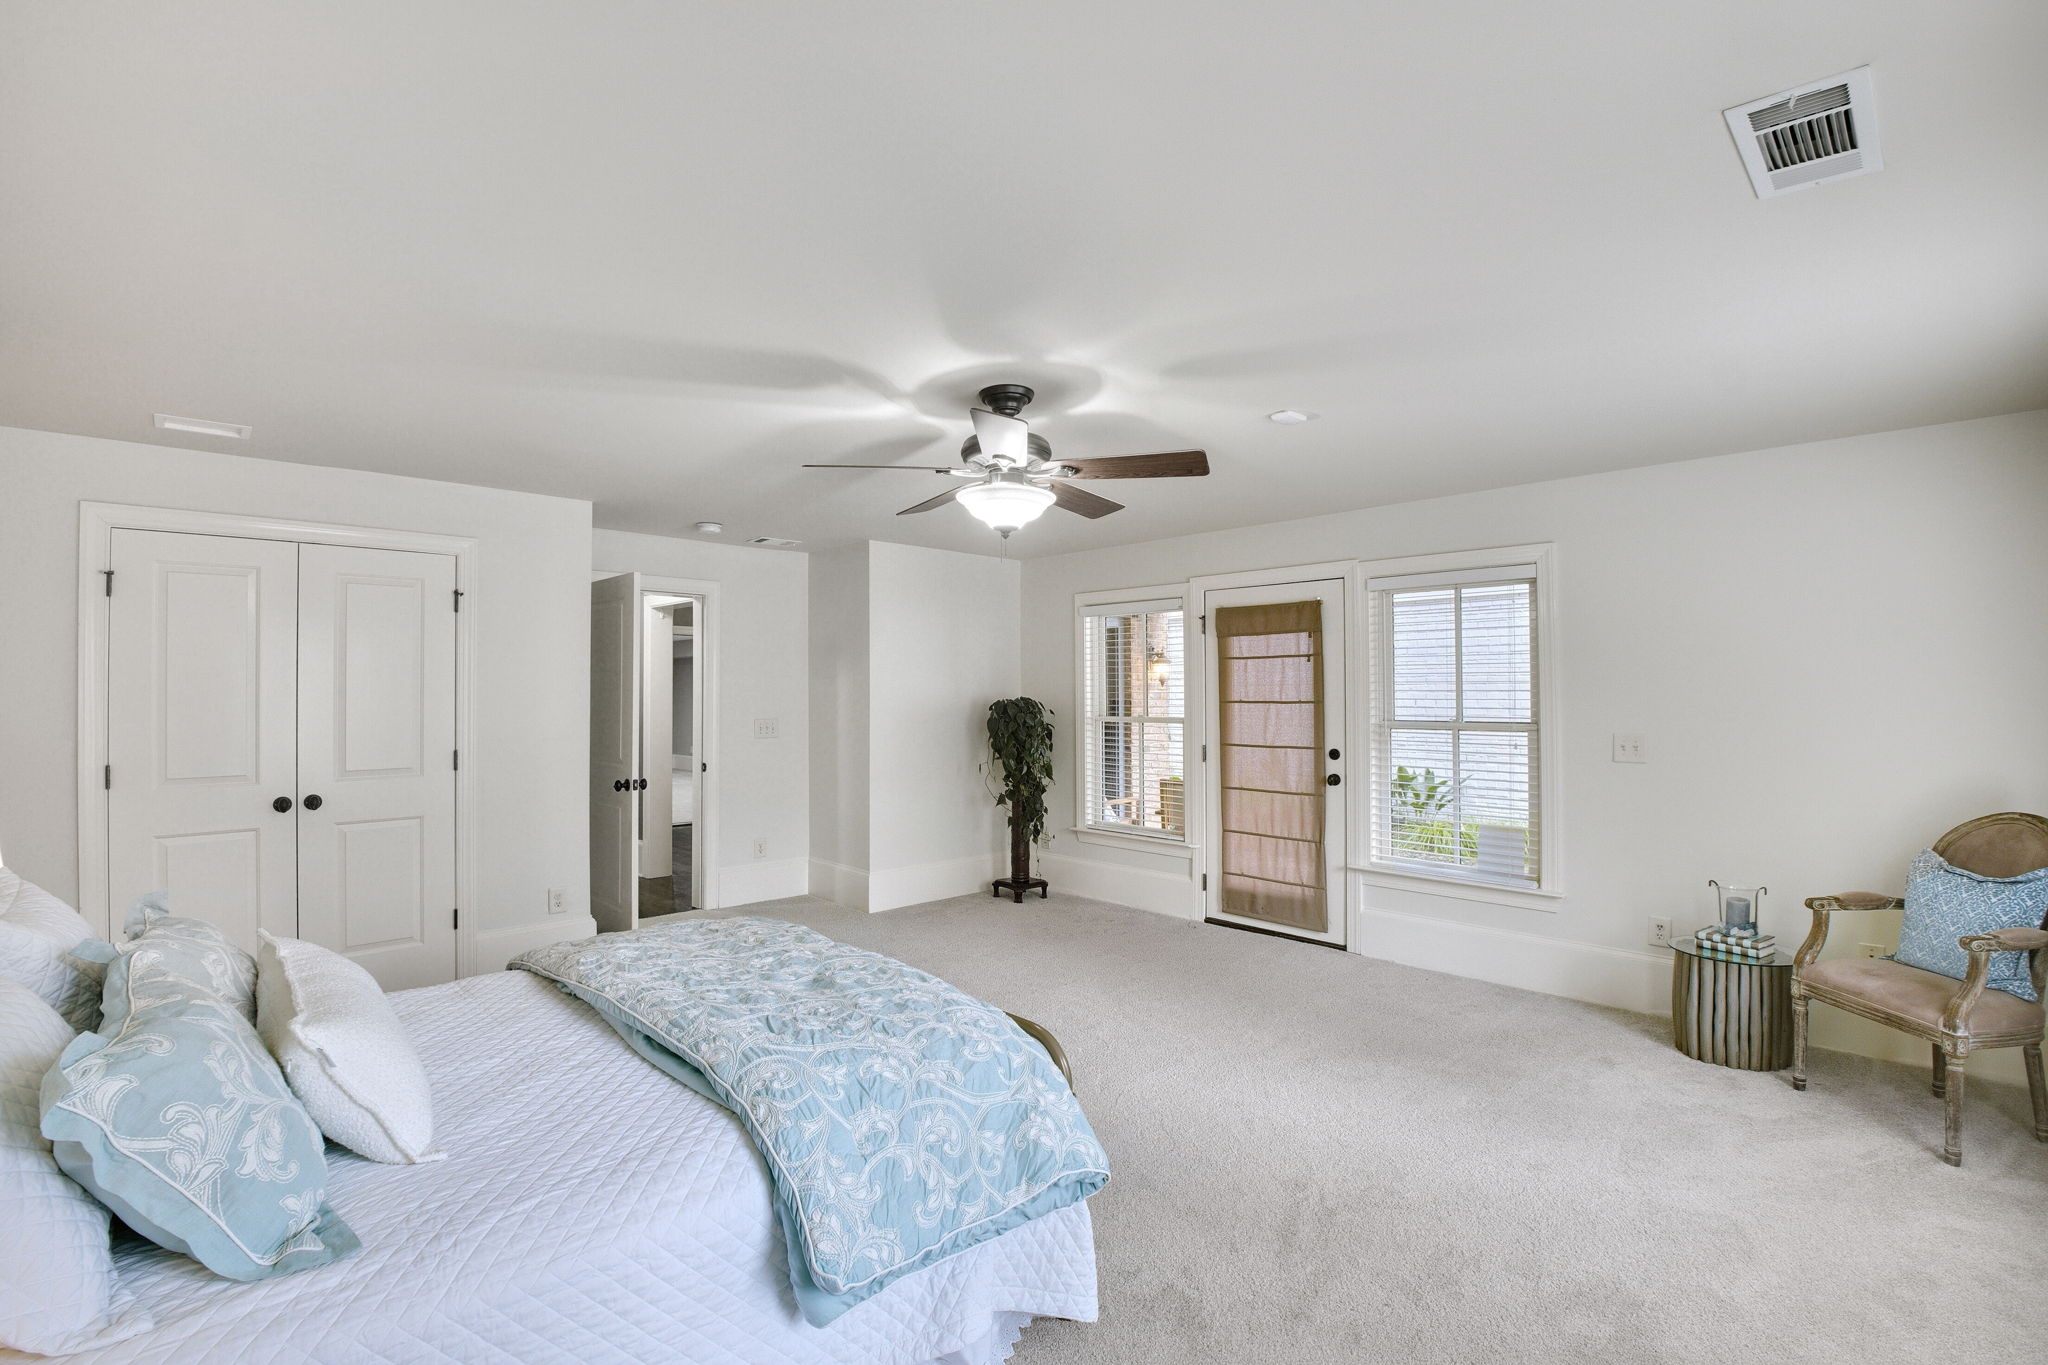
column 618, row 784
column 1334, row 780
column 313, row 802
column 281, row 805
column 643, row 784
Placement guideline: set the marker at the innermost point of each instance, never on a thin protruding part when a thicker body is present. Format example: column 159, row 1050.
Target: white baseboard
column 840, row 884
column 491, row 949
column 1579, row 971
column 1163, row 893
column 1639, row 981
column 889, row 888
column 772, row 879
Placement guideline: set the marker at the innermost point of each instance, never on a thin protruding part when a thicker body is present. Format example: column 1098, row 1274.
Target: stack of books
column 1758, row 946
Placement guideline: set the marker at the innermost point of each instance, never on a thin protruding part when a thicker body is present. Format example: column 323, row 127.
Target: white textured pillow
column 58, row 1292
column 37, row 934
column 347, row 1057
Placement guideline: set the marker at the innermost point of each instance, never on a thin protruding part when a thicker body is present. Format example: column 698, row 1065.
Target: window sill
column 1148, row 843
column 1458, row 888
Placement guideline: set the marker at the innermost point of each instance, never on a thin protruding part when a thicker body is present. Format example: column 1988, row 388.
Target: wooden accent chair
column 1956, row 1019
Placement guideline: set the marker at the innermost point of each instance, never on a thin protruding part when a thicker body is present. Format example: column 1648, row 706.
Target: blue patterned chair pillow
column 175, row 1117
column 1945, row 903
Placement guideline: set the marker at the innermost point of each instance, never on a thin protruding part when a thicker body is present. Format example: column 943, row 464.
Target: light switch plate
column 1628, row 749
column 764, row 727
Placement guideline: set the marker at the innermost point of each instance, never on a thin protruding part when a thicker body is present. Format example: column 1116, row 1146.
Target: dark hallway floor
column 667, row 895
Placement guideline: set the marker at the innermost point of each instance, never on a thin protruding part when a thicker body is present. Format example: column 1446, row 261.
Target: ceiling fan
column 1016, row 477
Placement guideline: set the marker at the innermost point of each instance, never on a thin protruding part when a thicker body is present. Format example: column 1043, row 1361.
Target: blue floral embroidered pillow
column 1945, row 903
column 175, row 1117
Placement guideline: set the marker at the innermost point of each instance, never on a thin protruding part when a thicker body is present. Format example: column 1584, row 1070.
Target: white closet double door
column 281, row 743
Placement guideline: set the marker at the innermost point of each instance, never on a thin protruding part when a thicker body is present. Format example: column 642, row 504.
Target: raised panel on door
column 377, row 759
column 616, row 641
column 201, row 640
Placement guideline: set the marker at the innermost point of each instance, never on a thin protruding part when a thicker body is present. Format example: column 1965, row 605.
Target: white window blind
column 1133, row 689
column 1456, row 747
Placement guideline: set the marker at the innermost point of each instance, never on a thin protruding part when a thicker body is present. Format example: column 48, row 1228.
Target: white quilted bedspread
column 591, row 1210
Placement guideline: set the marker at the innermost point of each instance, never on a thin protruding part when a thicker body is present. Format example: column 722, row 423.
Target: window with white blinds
column 1457, row 748
column 1133, row 693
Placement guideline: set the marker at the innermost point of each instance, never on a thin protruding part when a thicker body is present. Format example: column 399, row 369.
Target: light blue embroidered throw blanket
column 901, row 1120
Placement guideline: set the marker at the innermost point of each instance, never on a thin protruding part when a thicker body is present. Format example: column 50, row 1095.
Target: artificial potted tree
column 1020, row 757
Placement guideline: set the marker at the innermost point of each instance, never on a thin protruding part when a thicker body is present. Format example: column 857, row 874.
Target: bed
column 593, row 1209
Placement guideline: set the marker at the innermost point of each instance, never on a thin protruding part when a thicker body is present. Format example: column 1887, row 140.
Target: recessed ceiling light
column 199, row 426
column 709, row 528
column 1289, row 417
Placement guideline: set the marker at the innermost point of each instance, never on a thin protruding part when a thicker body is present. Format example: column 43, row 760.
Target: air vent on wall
column 774, row 542
column 1805, row 136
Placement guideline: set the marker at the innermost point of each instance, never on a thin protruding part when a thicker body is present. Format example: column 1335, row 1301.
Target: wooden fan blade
column 1169, row 464
column 929, row 503
column 913, row 468
column 1080, row 500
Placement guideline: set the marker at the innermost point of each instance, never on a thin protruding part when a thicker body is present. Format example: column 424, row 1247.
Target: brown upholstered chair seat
column 1920, row 997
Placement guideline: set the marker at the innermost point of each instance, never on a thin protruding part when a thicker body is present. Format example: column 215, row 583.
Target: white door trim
column 97, row 522
column 709, row 632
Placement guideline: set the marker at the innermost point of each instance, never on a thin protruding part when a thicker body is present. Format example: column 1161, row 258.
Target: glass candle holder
column 1738, row 908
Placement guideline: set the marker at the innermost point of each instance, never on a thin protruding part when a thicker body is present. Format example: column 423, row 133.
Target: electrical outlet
column 760, row 848
column 1628, row 749
column 1870, row 949
column 1660, row 931
column 765, row 727
column 558, row 900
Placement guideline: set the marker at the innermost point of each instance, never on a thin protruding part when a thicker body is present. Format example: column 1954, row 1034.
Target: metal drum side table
column 1730, row 1010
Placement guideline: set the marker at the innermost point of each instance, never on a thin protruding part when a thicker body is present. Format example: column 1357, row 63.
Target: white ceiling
column 658, row 255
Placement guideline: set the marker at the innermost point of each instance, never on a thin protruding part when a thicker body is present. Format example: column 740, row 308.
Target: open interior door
column 616, row 672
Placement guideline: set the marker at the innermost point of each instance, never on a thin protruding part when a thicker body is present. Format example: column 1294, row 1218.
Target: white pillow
column 37, row 934
column 58, row 1292
column 347, row 1057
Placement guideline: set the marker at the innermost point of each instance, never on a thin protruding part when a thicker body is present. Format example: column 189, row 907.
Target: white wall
column 839, row 803
column 943, row 644
column 1835, row 651
column 761, row 658
column 529, row 741
column 909, row 647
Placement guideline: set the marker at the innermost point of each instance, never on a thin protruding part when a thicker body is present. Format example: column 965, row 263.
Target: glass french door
column 1275, row 670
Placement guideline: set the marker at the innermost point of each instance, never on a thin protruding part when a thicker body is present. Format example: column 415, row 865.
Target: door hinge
column 107, row 778
column 456, row 914
column 1204, row 619
column 1205, row 881
column 1205, row 753
column 110, row 581
column 458, row 760
column 458, row 599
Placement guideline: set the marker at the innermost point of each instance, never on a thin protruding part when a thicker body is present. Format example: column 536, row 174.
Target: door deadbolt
column 1335, row 754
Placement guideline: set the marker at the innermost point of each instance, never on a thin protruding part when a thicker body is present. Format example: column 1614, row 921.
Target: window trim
column 1452, row 566
column 1172, row 597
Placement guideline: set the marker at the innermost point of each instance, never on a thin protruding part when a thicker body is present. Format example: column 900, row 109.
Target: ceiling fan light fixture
column 1005, row 505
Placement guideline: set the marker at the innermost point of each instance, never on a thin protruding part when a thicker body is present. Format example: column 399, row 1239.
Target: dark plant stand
column 1020, row 879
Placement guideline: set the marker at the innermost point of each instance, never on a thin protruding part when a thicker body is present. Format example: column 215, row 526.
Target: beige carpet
column 1320, row 1157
